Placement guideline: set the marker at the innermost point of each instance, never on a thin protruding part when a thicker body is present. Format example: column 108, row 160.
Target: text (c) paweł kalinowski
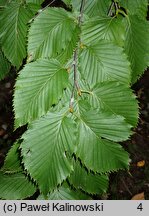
column 61, row 207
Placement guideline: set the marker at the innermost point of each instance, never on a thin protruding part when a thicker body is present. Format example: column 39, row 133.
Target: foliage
column 74, row 93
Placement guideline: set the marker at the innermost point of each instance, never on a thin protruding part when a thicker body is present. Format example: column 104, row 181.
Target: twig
column 114, row 5
column 81, row 12
column 75, row 63
column 48, row 5
column 110, row 9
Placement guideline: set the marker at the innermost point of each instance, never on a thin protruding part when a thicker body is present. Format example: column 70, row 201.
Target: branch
column 81, row 12
column 75, row 63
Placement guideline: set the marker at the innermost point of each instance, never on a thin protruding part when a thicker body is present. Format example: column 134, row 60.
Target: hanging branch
column 75, row 63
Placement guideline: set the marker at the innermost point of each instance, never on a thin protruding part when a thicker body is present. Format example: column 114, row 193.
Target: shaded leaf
column 35, row 8
column 138, row 7
column 67, row 2
column 137, row 45
column 4, row 66
column 12, row 162
column 3, row 3
column 87, row 181
column 15, row 186
column 13, row 32
column 64, row 192
column 35, row 1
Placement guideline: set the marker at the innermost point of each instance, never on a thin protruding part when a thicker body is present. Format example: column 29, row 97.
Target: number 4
column 140, row 207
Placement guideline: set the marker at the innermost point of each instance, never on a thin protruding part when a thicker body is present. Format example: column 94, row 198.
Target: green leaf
column 138, row 7
column 15, row 186
column 35, row 8
column 12, row 162
column 93, row 7
column 4, row 66
column 64, row 192
column 65, row 100
column 39, row 86
column 107, row 125
column 3, row 3
column 116, row 98
column 50, row 33
column 87, row 181
column 35, row 1
column 13, row 32
column 96, row 153
column 102, row 61
column 108, row 28
column 137, row 45
column 67, row 53
column 45, row 148
column 67, row 2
